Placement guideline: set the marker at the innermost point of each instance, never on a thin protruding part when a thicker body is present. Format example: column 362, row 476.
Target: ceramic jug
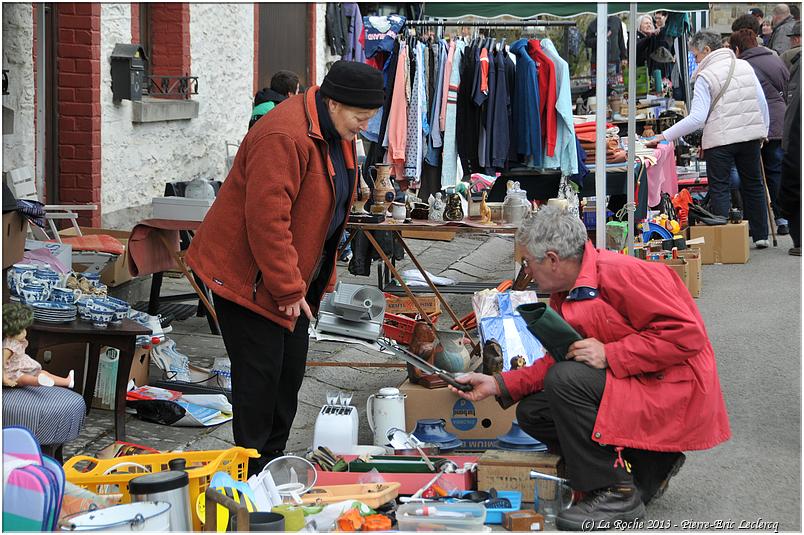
column 450, row 354
column 382, row 185
column 385, row 410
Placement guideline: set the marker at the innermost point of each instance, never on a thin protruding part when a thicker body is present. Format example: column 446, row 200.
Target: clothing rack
column 496, row 24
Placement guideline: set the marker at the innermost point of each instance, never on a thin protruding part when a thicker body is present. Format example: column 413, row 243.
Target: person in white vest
column 729, row 104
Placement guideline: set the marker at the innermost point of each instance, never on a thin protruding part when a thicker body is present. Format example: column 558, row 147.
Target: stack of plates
column 518, row 440
column 51, row 312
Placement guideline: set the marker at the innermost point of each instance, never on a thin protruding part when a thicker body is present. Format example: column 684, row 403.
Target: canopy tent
column 491, row 10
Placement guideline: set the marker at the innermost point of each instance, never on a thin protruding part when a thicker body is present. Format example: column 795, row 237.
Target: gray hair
column 555, row 229
column 643, row 17
column 706, row 38
column 781, row 10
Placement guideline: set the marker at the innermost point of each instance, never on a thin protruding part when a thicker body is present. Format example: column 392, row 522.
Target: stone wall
column 139, row 159
column 19, row 147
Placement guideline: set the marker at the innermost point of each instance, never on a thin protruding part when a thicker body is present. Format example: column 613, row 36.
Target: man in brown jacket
column 267, row 247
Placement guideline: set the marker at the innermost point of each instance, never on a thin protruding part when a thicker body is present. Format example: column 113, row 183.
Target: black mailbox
column 128, row 71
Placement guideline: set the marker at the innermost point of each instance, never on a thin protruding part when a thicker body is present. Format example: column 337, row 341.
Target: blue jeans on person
column 772, row 155
column 745, row 158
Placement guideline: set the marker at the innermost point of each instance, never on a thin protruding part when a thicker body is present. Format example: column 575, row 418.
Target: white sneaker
column 71, row 377
column 762, row 244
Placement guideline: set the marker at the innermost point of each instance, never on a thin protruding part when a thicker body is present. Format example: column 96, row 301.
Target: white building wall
column 139, row 159
column 323, row 57
column 19, row 147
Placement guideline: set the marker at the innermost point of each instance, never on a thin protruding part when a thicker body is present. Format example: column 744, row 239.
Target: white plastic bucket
column 140, row 516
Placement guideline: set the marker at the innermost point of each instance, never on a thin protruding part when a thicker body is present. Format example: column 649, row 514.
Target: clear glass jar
column 516, row 206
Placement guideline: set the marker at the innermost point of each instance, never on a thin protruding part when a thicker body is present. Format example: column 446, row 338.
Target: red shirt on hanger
column 547, row 95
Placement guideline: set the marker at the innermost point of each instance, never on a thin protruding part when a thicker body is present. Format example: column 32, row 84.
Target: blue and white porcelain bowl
column 83, row 311
column 101, row 318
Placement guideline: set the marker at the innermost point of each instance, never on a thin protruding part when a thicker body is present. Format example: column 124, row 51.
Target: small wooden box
column 510, row 470
column 523, row 521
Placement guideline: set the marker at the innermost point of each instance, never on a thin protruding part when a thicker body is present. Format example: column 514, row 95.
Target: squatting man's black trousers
column 563, row 417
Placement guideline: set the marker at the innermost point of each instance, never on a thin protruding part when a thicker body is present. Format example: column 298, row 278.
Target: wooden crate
column 510, row 470
column 403, row 304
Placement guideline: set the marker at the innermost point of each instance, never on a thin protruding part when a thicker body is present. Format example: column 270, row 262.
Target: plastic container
column 494, row 516
column 462, row 516
column 201, row 465
column 399, row 328
column 180, row 208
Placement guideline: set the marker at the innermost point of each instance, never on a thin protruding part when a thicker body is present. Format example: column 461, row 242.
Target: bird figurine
column 492, row 358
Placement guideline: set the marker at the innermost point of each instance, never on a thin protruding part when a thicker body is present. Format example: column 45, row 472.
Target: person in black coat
column 790, row 190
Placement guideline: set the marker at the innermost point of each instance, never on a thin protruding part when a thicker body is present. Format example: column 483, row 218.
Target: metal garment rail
column 495, row 24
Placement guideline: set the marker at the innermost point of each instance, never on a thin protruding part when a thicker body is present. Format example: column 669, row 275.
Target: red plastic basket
column 399, row 328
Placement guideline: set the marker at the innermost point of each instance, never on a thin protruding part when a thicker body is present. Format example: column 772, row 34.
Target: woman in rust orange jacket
column 267, row 247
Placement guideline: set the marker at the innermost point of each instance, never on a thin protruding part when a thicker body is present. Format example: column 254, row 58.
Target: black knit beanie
column 354, row 84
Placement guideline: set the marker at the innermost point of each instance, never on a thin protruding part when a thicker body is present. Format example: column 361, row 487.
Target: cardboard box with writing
column 15, row 228
column 510, row 470
column 477, row 424
column 723, row 244
column 116, row 273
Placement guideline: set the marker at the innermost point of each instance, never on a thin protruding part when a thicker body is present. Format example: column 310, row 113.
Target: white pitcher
column 385, row 410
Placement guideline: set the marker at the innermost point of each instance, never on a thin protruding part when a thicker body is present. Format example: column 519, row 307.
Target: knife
column 423, row 365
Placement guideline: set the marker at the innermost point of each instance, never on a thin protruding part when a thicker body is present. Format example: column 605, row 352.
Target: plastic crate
column 494, row 516
column 399, row 328
column 111, row 476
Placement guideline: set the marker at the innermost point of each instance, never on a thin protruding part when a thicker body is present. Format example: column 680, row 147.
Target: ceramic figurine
column 518, row 362
column 485, row 211
column 454, row 209
column 18, row 368
column 492, row 358
column 362, row 197
column 436, row 208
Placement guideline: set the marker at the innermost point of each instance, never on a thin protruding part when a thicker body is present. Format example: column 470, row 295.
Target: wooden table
column 397, row 229
column 122, row 336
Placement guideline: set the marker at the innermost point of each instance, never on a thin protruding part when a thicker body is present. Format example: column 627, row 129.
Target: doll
column 18, row 368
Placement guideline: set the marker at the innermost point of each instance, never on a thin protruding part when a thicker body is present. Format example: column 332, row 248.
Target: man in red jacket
column 267, row 246
column 636, row 391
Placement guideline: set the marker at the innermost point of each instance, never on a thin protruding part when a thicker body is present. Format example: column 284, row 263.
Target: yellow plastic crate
column 111, row 476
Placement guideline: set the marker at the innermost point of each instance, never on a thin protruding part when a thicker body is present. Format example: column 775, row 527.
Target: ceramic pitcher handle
column 77, row 293
column 369, row 408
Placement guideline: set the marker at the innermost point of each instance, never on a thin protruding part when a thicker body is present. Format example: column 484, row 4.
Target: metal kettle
column 385, row 410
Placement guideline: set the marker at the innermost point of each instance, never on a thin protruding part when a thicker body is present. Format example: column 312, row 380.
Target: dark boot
column 601, row 508
column 653, row 493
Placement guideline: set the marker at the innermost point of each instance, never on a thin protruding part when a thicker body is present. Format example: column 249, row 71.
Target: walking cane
column 771, row 220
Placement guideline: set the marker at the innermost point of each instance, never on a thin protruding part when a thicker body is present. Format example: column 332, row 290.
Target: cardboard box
column 117, row 272
column 723, row 244
column 478, row 424
column 106, row 381
column 404, row 305
column 510, row 470
column 15, row 228
column 693, row 258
